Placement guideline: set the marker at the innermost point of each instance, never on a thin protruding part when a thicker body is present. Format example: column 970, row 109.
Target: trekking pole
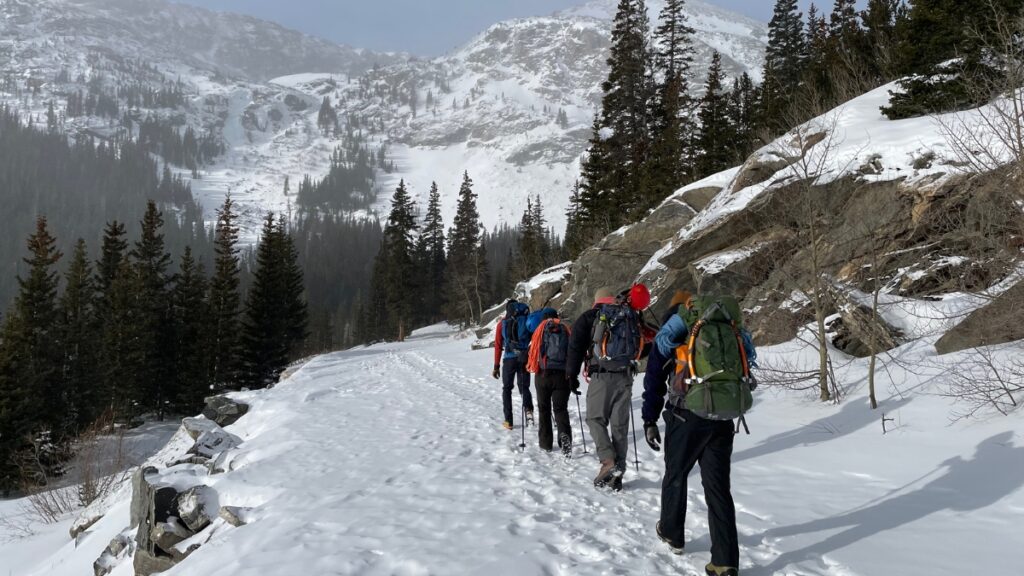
column 632, row 422
column 523, row 444
column 580, row 412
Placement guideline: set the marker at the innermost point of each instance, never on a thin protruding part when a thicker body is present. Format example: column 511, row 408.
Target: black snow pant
column 553, row 397
column 690, row 440
column 513, row 371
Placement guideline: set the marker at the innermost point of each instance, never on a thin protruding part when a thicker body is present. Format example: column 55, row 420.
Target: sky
column 420, row 27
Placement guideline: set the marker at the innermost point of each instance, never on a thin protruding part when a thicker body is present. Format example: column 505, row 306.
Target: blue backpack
column 515, row 334
column 617, row 340
column 554, row 346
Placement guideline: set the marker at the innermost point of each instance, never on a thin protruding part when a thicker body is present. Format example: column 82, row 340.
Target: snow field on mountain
column 391, row 460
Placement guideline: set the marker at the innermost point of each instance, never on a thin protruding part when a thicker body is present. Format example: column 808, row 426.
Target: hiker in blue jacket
column 511, row 354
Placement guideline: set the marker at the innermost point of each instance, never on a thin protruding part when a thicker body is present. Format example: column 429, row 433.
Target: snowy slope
column 508, row 85
column 390, row 460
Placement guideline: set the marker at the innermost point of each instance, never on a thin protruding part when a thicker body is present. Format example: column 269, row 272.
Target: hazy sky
column 422, row 27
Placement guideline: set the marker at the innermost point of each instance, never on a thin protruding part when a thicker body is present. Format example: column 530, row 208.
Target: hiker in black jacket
column 610, row 391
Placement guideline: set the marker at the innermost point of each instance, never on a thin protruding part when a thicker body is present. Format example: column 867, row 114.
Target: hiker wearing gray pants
column 608, row 404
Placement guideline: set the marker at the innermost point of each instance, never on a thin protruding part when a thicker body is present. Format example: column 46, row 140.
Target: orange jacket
column 537, row 342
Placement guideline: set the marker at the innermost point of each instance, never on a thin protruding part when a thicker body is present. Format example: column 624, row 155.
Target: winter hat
column 603, row 293
column 639, row 297
column 681, row 297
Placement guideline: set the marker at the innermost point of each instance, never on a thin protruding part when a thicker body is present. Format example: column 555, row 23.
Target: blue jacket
column 674, row 333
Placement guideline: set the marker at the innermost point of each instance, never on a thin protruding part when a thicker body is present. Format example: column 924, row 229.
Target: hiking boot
column 713, row 570
column 506, row 425
column 675, row 547
column 565, row 443
column 606, row 473
column 616, row 484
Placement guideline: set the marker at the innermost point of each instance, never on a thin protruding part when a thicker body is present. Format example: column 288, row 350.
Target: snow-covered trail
column 390, row 460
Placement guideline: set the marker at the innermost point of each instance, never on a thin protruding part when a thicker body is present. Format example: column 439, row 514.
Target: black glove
column 574, row 385
column 495, row 373
column 752, row 382
column 652, row 435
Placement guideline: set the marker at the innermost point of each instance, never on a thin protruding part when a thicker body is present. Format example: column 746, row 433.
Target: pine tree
column 785, row 58
column 716, row 137
column 817, row 74
column 397, row 258
column 883, row 20
column 670, row 164
column 433, row 261
column 225, row 300
column 613, row 183
column 276, row 315
column 848, row 53
column 78, row 326
column 192, row 323
column 574, row 240
column 111, row 255
column 743, row 109
column 31, row 399
column 327, row 118
column 467, row 264
column 942, row 45
column 154, row 388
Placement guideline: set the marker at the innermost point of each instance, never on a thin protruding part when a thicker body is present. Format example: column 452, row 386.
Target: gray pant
column 608, row 402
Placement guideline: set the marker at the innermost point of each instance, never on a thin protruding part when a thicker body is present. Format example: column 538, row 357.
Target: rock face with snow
column 491, row 107
column 908, row 230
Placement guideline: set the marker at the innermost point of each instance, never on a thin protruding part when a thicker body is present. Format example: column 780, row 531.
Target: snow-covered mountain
column 491, row 108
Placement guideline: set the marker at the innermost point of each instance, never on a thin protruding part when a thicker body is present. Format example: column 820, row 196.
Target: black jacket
column 580, row 342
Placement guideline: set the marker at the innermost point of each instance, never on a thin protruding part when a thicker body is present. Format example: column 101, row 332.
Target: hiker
column 511, row 350
column 549, row 349
column 705, row 354
column 606, row 342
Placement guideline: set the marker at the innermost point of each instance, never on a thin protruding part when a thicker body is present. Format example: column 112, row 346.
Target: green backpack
column 718, row 384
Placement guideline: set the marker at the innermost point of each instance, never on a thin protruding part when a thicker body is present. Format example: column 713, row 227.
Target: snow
column 556, row 273
column 390, row 460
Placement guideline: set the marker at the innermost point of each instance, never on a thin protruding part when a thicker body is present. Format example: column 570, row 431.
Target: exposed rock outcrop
column 223, row 410
column 1001, row 321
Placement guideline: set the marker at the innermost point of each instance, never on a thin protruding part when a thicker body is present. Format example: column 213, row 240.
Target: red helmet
column 639, row 297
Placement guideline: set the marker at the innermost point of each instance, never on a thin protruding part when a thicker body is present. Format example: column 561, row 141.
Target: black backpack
column 554, row 346
column 617, row 342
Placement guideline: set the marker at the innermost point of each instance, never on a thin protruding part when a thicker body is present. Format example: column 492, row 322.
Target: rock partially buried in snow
column 112, row 555
column 195, row 427
column 211, row 444
column 192, row 506
column 234, row 515
column 224, row 411
column 82, row 524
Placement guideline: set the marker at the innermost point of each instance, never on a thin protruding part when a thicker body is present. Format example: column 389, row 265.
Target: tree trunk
column 819, row 315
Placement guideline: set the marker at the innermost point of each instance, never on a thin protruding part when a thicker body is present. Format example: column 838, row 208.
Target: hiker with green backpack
column 710, row 388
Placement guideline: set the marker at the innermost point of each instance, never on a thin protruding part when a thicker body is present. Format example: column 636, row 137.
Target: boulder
column 224, row 411
column 193, row 507
column 167, row 535
column 999, row 322
column 147, row 563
